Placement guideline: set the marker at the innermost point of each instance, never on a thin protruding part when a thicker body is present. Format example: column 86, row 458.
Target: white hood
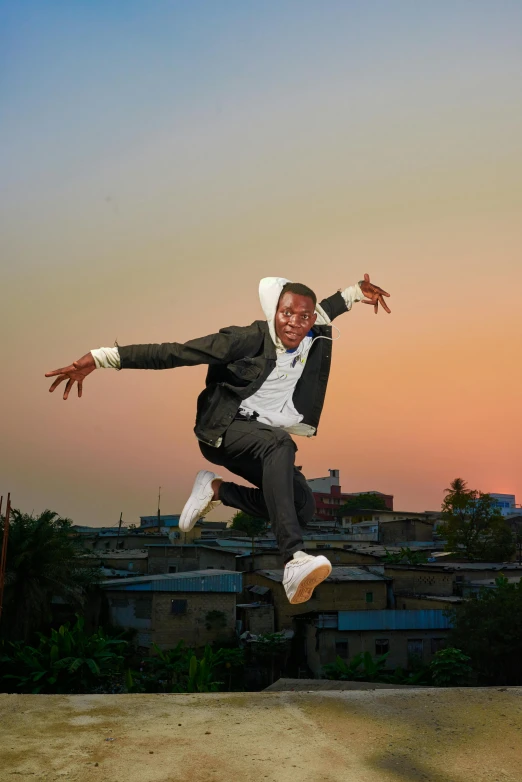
column 269, row 292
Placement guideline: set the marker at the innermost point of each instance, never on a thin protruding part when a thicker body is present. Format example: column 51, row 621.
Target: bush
column 449, row 668
column 66, row 661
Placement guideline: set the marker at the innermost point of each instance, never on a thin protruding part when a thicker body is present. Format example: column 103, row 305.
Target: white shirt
column 273, row 401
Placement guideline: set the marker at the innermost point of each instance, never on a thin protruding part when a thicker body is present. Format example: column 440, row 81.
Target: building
column 421, row 580
column 151, row 523
column 119, row 563
column 197, row 607
column 389, row 526
column 169, row 525
column 406, row 636
column 329, row 497
column 346, row 589
column 167, row 558
column 505, row 503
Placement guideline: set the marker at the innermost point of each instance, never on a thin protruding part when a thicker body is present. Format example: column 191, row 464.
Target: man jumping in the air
column 264, row 382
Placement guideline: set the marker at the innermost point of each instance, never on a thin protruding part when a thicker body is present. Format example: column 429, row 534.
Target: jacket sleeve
column 334, row 305
column 217, row 348
column 342, row 301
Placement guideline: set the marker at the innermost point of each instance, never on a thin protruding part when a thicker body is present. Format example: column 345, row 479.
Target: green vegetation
column 448, row 668
column 43, row 561
column 406, row 556
column 472, row 524
column 69, row 660
column 368, row 501
column 488, row 628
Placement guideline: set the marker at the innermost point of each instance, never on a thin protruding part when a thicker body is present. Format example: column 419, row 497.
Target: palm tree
column 43, row 561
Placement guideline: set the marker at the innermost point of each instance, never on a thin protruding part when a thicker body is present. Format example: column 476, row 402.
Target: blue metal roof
column 168, row 520
column 417, row 619
column 193, row 581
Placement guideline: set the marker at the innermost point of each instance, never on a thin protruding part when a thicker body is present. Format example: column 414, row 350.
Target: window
column 382, row 645
column 173, row 569
column 437, row 644
column 341, row 649
column 178, row 607
column 369, row 597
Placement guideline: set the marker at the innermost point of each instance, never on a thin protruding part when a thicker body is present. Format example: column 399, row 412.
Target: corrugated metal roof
column 192, row 581
column 420, row 619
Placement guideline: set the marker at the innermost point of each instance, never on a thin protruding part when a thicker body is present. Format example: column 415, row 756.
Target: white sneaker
column 200, row 501
column 302, row 574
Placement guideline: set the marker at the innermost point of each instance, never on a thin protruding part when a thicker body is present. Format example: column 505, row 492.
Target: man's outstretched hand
column 374, row 294
column 74, row 373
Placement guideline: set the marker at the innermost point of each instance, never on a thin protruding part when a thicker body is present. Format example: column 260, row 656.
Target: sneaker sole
column 308, row 584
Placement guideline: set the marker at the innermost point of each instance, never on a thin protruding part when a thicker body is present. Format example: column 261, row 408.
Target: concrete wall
column 404, row 530
column 258, row 620
column 321, row 645
column 424, row 581
column 264, row 561
column 131, row 610
column 192, row 626
column 150, row 614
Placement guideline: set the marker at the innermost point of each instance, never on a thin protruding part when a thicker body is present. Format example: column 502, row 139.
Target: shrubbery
column 70, row 660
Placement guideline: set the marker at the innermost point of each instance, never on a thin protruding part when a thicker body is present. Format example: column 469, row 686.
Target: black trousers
column 264, row 456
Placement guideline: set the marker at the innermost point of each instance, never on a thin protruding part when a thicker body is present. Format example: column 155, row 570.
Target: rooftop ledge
column 378, row 735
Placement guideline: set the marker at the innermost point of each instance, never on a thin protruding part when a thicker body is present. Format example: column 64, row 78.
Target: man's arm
column 217, row 348
column 364, row 291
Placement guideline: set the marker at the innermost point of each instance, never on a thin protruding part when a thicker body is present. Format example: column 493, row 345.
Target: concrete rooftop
column 435, row 735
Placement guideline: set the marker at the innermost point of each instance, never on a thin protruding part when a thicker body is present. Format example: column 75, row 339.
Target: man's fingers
column 68, row 388
column 62, row 371
column 384, row 305
column 368, row 301
column 376, row 306
column 80, row 387
column 57, row 382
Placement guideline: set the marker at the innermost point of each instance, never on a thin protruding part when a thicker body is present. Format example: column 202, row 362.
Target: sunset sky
column 158, row 158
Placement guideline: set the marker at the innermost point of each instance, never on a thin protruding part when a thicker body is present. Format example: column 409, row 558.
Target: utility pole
column 159, row 512
column 119, row 525
column 3, row 556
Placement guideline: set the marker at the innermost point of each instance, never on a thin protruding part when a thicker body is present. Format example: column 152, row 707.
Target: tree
column 253, row 526
column 370, row 501
column 488, row 628
column 406, row 556
column 44, row 560
column 472, row 524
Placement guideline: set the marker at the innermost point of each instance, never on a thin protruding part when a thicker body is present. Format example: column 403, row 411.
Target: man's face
column 294, row 318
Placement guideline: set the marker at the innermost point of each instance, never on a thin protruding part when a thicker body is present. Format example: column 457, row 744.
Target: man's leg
column 264, row 456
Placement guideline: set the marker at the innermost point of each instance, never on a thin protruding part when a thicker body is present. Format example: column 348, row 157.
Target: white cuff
column 106, row 358
column 352, row 295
